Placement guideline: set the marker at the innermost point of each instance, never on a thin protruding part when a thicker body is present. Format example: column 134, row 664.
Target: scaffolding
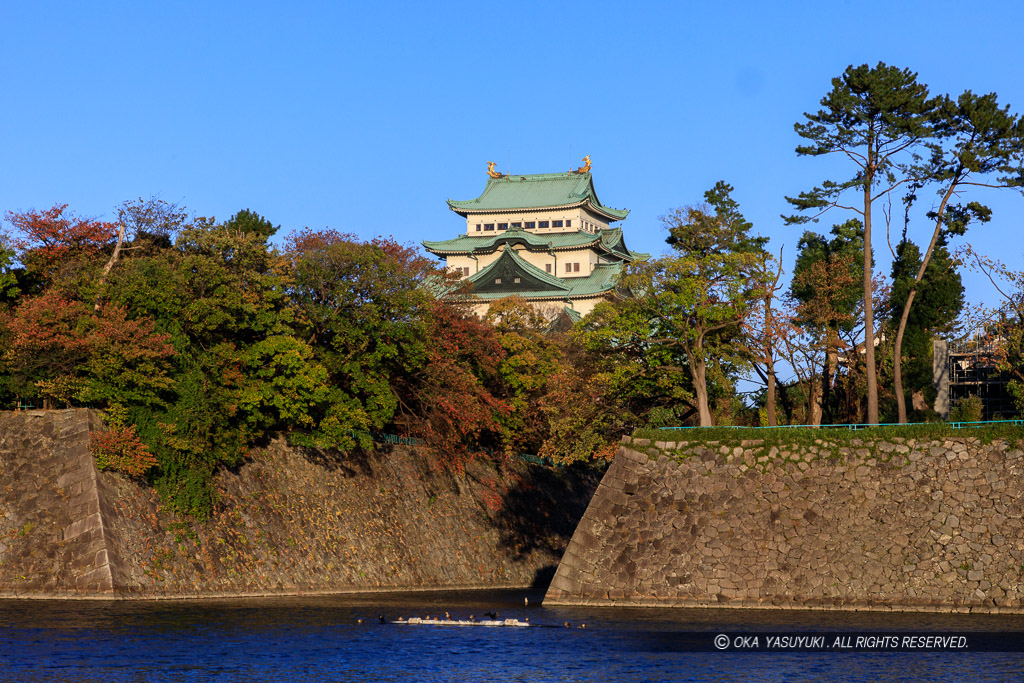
column 970, row 367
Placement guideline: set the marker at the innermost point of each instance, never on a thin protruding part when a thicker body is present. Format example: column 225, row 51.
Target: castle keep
column 544, row 237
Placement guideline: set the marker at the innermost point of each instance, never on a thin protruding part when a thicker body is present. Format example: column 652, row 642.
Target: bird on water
column 492, row 615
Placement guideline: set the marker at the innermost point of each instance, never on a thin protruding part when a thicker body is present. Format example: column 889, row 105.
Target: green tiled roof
column 543, row 190
column 535, row 283
column 506, row 268
column 464, row 244
column 613, row 241
column 610, row 241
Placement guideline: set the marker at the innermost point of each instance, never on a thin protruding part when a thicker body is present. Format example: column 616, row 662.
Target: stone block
column 97, row 580
column 89, row 523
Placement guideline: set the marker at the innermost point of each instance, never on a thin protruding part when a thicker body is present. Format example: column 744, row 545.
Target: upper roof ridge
column 537, row 191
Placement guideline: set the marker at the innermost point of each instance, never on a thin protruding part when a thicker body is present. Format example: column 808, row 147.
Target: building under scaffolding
column 970, row 368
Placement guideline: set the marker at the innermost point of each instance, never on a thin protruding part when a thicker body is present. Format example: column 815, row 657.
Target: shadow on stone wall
column 541, row 508
column 542, row 579
column 290, row 521
column 356, row 463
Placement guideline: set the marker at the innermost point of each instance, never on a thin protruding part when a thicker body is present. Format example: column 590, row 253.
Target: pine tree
column 978, row 143
column 875, row 117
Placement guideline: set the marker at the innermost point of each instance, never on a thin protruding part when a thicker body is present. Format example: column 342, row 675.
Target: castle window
column 568, row 224
column 542, row 224
column 497, row 280
column 478, row 227
column 530, row 225
column 556, row 224
column 576, row 267
column 547, row 267
column 466, row 271
column 488, row 226
column 517, row 225
column 502, row 226
column 516, row 281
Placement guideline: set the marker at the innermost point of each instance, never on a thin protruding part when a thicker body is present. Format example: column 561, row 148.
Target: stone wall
column 290, row 521
column 54, row 534
column 878, row 525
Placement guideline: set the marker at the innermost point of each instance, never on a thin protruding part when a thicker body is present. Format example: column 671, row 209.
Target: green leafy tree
column 940, row 298
column 611, row 379
column 531, row 356
column 766, row 328
column 591, row 399
column 239, row 371
column 979, row 144
column 875, row 117
column 141, row 224
column 692, row 303
column 364, row 309
column 283, row 385
column 9, row 288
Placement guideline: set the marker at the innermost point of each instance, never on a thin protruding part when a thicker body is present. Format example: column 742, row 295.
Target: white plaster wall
column 577, row 215
column 586, row 258
column 549, row 309
column 454, row 262
column 585, row 306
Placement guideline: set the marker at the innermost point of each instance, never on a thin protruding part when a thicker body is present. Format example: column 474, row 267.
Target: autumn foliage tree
column 50, row 241
column 451, row 398
column 766, row 328
column 47, row 348
column 63, row 352
column 826, row 296
column 594, row 396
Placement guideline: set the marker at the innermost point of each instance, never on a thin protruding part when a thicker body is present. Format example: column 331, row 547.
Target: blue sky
column 365, row 117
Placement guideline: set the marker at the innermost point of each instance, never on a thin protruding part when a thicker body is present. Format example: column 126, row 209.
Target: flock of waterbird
column 447, row 620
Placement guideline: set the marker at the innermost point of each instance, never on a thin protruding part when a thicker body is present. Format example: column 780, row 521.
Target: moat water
column 321, row 639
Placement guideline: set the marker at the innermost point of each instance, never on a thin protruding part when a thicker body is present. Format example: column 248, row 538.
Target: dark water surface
column 319, row 639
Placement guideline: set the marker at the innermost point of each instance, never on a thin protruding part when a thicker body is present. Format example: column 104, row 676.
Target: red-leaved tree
column 455, row 410
column 48, row 241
